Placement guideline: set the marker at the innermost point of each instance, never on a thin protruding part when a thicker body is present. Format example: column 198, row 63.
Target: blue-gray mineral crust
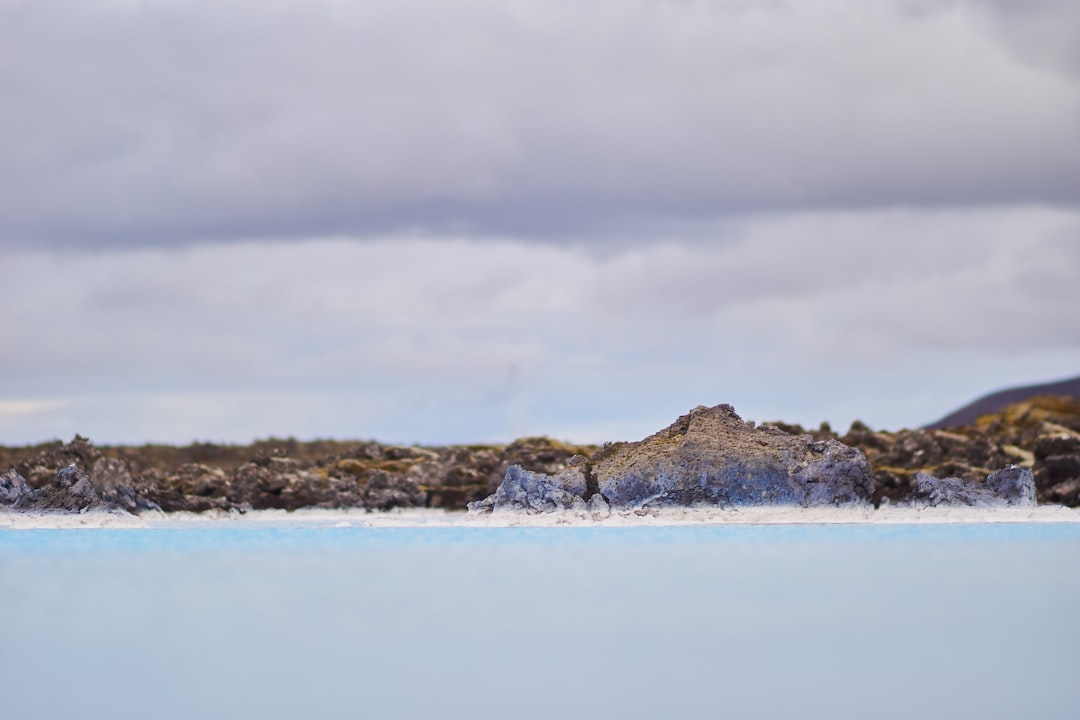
column 1012, row 487
column 709, row 457
column 531, row 492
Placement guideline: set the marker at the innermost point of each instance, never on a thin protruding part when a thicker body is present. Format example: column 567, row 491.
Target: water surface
column 291, row 621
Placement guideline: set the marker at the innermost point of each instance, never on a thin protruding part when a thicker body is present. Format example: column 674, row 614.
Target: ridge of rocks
column 1041, row 436
column 710, row 457
column 275, row 474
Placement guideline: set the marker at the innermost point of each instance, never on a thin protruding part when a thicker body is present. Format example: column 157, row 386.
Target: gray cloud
column 1045, row 33
column 814, row 210
column 160, row 122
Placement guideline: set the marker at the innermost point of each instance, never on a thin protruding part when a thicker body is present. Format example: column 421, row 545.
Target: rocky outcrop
column 12, row 488
column 538, row 454
column 1041, row 434
column 70, row 491
column 709, row 457
column 114, row 485
column 1012, row 487
column 270, row 474
column 531, row 492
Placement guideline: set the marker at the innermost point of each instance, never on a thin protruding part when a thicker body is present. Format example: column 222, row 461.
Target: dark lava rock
column 70, row 491
column 41, row 466
column 192, row 487
column 382, row 477
column 1060, row 468
column 385, row 491
column 1040, row 433
column 282, row 483
column 451, row 477
column 1050, row 445
column 1012, row 487
column 709, row 457
column 114, row 485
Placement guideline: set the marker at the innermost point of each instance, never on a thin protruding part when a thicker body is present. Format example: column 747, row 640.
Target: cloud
column 894, row 316
column 529, row 215
column 1045, row 33
column 165, row 122
column 15, row 413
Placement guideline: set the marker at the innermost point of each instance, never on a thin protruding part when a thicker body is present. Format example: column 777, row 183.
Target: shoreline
column 437, row 518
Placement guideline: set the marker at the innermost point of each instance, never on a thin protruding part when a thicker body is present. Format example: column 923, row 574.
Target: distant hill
column 995, row 402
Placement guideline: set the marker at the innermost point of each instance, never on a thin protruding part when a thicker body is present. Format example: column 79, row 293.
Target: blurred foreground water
column 315, row 621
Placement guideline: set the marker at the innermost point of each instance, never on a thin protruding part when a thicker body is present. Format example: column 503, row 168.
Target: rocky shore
column 709, row 457
column 271, row 474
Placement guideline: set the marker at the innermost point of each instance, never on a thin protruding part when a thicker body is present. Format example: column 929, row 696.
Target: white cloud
column 891, row 315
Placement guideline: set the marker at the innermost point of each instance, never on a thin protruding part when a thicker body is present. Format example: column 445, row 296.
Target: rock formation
column 709, row 457
column 70, row 491
column 13, row 487
column 1012, row 487
column 279, row 474
column 531, row 492
column 1041, row 434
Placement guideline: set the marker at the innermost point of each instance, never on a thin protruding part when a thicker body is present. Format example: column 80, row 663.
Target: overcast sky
column 429, row 221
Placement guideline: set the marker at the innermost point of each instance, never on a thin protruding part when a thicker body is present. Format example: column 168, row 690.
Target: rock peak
column 710, row 457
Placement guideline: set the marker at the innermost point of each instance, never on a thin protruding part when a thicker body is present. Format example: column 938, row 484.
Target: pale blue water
column 850, row 621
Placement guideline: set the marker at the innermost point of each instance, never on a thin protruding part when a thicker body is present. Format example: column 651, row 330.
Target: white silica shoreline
column 426, row 517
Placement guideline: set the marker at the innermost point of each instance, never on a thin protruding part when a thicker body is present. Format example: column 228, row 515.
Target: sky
column 469, row 221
